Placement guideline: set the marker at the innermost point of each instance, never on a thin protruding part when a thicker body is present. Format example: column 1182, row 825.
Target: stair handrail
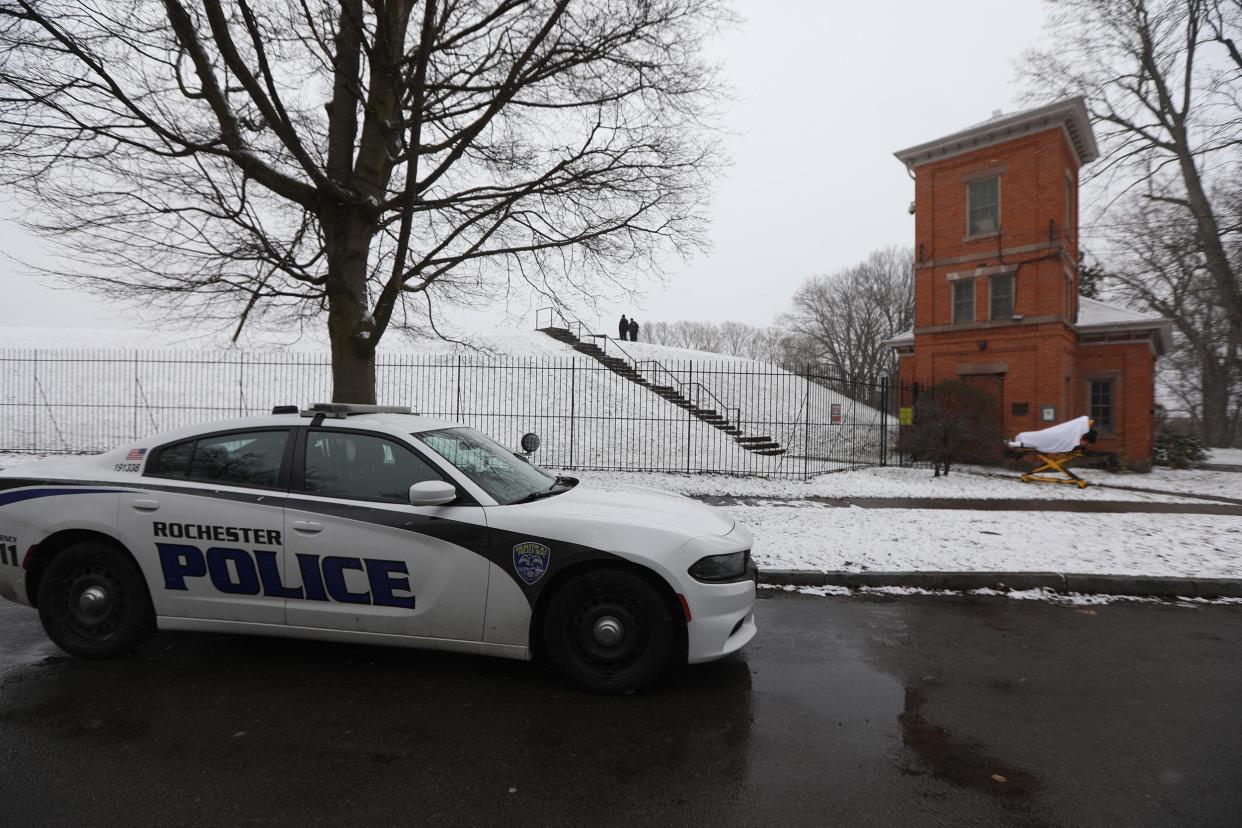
column 569, row 321
column 720, row 404
column 582, row 331
column 676, row 380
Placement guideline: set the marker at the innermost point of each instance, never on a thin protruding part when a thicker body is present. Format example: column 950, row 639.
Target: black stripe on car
column 496, row 545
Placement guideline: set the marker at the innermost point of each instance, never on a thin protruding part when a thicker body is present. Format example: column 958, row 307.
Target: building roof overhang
column 1161, row 334
column 1096, row 318
column 902, row 340
column 1098, row 321
column 1069, row 114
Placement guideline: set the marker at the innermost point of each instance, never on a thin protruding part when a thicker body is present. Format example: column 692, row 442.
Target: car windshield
column 494, row 468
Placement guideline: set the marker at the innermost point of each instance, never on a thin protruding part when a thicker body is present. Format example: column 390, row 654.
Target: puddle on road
column 962, row 762
column 861, row 714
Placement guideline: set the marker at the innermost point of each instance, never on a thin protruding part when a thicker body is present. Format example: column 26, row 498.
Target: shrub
column 955, row 422
column 1178, row 449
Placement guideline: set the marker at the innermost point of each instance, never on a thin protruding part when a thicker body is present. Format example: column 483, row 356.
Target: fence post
column 135, row 403
column 689, row 418
column 573, row 366
column 458, row 409
column 884, row 423
column 241, row 384
column 806, row 425
column 34, row 398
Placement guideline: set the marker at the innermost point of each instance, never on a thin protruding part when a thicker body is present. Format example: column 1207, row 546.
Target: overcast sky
column 826, row 92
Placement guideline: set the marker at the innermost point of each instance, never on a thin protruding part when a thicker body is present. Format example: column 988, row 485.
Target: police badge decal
column 530, row 561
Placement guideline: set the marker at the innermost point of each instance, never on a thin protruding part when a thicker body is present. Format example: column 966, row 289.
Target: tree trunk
column 353, row 369
column 1209, row 235
column 1216, row 422
column 351, row 331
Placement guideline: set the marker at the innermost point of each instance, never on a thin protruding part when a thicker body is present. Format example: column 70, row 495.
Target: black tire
column 597, row 606
column 93, row 601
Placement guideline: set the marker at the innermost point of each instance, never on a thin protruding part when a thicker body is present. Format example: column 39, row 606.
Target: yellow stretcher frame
column 1054, row 462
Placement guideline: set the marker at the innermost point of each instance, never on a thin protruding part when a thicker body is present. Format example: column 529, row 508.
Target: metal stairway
column 715, row 417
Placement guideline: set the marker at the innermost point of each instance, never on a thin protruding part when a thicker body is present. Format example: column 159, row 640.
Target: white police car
column 370, row 524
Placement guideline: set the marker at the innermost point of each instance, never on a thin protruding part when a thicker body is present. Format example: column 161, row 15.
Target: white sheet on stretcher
column 1062, row 437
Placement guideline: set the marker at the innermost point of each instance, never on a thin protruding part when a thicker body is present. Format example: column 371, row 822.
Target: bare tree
column 1158, row 263
column 1162, row 80
column 696, row 336
column 841, row 319
column 364, row 160
column 733, row 338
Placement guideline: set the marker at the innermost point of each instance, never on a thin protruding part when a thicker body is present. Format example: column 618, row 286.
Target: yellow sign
column 905, row 416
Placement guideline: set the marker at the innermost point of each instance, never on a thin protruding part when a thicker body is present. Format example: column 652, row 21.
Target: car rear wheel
column 609, row 631
column 93, row 601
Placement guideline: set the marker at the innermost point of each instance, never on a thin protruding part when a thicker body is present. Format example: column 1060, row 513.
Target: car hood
column 639, row 506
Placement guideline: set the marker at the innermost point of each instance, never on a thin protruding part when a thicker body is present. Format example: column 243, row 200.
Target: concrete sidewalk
column 1232, row 508
column 1060, row 582
column 1146, row 586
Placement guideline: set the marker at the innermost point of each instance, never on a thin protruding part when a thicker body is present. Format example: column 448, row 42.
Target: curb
column 1146, row 586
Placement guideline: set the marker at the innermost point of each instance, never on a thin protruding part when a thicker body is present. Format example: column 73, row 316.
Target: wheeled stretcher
column 1056, row 448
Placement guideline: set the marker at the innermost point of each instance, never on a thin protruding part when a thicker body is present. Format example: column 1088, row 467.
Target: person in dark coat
column 623, row 327
column 633, row 330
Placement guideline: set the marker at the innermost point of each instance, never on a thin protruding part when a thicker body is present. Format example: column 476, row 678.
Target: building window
column 963, row 301
column 1001, row 292
column 983, row 206
column 1102, row 404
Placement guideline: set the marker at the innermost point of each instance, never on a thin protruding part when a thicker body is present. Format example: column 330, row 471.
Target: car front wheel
column 609, row 632
column 93, row 601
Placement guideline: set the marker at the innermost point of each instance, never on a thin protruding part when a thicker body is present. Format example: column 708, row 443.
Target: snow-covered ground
column 815, row 537
column 1230, row 456
column 890, row 481
column 1112, row 485
column 809, row 535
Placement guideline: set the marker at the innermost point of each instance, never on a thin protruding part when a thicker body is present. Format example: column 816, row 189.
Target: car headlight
column 714, row 568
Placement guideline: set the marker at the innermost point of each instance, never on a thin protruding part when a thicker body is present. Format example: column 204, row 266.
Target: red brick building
column 996, row 282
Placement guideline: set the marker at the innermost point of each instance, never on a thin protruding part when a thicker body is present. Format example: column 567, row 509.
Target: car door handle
column 145, row 505
column 307, row 527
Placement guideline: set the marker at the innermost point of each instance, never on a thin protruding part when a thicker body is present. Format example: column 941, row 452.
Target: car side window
column 239, row 459
column 362, row 467
column 173, row 461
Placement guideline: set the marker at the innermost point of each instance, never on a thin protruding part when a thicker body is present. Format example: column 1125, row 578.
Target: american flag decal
column 135, row 454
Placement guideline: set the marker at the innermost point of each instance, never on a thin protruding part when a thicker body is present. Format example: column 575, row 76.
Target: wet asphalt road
column 843, row 711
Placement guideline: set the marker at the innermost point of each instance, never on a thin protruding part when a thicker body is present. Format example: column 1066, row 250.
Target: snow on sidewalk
column 815, row 537
column 891, row 481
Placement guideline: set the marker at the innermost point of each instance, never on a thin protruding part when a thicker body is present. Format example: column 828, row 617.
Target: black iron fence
column 589, row 416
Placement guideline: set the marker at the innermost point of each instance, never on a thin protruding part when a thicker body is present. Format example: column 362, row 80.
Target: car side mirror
column 432, row 493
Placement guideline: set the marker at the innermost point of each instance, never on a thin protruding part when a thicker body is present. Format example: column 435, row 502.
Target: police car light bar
column 342, row 410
